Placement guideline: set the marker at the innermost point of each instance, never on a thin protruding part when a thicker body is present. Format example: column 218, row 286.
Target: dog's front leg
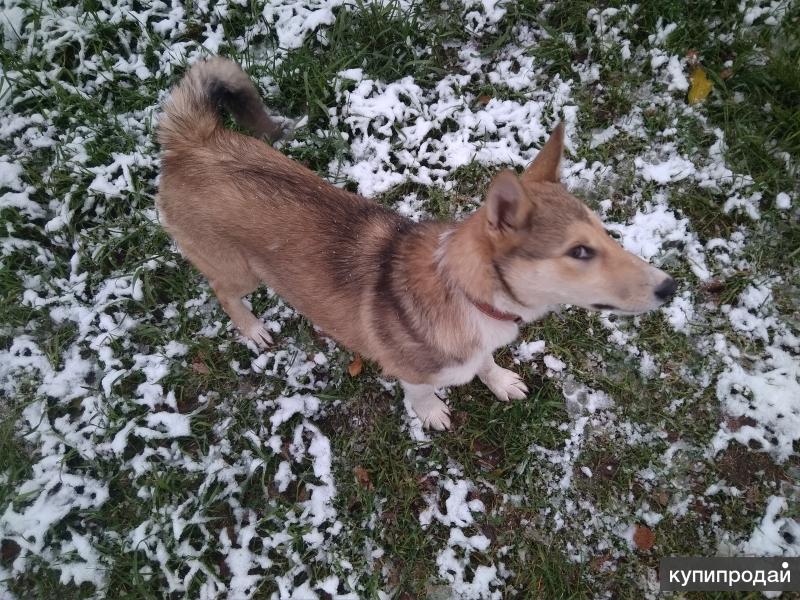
column 422, row 399
column 505, row 384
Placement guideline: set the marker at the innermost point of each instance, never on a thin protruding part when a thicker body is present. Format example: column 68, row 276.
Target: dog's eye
column 581, row 252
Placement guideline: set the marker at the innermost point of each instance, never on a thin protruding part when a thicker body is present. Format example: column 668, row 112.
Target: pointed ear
column 507, row 205
column 547, row 164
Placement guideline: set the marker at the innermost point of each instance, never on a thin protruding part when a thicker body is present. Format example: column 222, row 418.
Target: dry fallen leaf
column 484, row 99
column 736, row 423
column 700, row 86
column 355, row 367
column 661, row 497
column 598, row 563
column 198, row 366
column 363, row 477
column 9, row 550
column 643, row 537
column 426, row 483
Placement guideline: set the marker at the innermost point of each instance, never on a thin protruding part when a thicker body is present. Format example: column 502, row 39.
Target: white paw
column 433, row 413
column 259, row 334
column 505, row 384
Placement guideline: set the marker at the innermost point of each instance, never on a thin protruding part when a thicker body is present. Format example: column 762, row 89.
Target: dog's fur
column 428, row 301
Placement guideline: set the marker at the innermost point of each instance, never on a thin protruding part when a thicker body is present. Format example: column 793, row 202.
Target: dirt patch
column 605, row 466
column 359, row 413
column 744, row 468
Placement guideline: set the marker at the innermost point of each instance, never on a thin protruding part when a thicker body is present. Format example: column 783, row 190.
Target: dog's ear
column 507, row 205
column 547, row 164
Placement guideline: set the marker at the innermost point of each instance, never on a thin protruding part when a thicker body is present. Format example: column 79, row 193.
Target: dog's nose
column 666, row 289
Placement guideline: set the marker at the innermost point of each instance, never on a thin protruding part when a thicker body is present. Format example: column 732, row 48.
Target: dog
column 428, row 301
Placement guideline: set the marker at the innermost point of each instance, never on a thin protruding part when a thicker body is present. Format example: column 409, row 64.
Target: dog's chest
column 493, row 334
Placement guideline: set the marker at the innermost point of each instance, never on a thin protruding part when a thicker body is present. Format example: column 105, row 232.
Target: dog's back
column 242, row 212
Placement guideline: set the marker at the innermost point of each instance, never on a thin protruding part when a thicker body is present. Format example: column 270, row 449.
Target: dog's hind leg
column 231, row 279
column 422, row 399
column 230, row 297
column 505, row 384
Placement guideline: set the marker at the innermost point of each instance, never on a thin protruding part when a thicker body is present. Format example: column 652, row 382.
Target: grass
column 384, row 479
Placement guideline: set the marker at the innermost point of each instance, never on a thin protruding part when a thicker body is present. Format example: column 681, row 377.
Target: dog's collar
column 491, row 311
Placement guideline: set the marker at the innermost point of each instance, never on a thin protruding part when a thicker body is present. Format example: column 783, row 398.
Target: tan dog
column 428, row 301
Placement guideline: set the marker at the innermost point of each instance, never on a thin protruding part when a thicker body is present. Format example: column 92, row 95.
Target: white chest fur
column 493, row 334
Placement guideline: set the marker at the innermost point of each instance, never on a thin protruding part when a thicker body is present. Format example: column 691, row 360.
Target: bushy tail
column 192, row 112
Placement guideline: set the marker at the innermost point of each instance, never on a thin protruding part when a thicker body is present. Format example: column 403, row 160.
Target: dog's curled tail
column 192, row 112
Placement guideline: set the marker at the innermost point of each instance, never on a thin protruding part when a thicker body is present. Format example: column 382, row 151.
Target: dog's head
column 548, row 247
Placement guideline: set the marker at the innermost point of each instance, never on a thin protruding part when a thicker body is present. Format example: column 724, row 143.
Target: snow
column 668, row 171
column 501, row 132
column 774, row 11
column 768, row 393
column 527, row 350
column 680, row 312
column 654, row 228
column 677, row 78
column 603, row 136
column 453, row 560
column 164, row 424
column 768, row 537
column 553, row 363
column 783, row 201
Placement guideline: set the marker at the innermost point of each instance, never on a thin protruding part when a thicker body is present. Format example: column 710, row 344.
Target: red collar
column 491, row 311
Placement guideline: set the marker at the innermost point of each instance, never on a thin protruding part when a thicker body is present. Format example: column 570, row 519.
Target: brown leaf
column 599, row 562
column 726, row 73
column 700, row 507
column 458, row 418
column 393, row 575
column 661, row 497
column 490, row 532
column 484, row 99
column 355, row 367
column 199, row 366
column 222, row 565
column 426, row 483
column 643, row 537
column 736, row 423
column 302, row 494
column 714, row 288
column 488, row 456
column 362, row 476
column 9, row 550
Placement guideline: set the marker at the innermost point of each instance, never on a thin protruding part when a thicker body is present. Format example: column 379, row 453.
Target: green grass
column 491, row 442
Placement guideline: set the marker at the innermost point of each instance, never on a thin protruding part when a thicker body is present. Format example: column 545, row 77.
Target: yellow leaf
column 700, row 85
